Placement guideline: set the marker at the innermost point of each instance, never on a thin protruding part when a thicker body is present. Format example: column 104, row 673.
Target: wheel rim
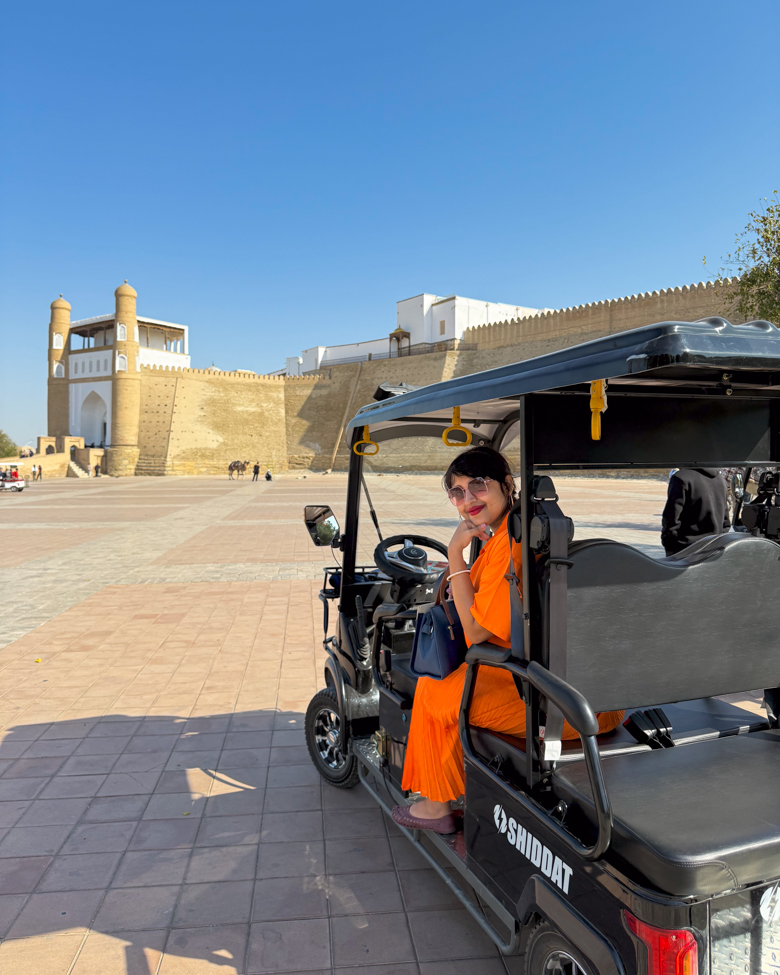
column 327, row 738
column 561, row 963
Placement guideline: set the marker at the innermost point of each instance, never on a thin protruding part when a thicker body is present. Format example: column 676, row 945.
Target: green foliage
column 7, row 447
column 756, row 262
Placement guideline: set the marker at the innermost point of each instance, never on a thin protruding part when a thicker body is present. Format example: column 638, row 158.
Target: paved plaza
column 161, row 638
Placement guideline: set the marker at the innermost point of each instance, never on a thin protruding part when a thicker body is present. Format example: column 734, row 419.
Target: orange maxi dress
column 434, row 758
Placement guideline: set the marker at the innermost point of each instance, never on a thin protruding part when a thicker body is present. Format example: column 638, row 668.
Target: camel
column 237, row 467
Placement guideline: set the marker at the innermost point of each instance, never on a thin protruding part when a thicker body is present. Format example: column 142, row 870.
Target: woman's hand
column 464, row 533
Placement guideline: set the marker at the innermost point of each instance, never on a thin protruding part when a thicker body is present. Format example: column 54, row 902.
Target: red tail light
column 668, row 952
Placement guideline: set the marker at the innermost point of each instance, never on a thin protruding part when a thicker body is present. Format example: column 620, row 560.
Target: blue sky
column 278, row 175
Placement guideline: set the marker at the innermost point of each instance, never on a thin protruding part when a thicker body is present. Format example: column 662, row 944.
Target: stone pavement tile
column 291, row 859
column 172, row 805
column 187, row 760
column 120, row 953
column 280, row 777
column 223, row 902
column 56, row 913
column 115, row 809
column 193, row 780
column 114, row 728
column 51, row 748
column 33, row 840
column 442, row 935
column 111, row 837
column 470, row 966
column 129, row 784
column 289, row 946
column 293, row 799
column 365, row 938
column 20, row 875
column 140, row 762
column 402, row 968
column 10, row 905
column 54, row 812
column 290, row 897
column 247, row 802
column 358, row 856
column 424, row 890
column 80, row 871
column 286, row 738
column 207, row 724
column 198, row 951
column 145, row 868
column 251, row 722
column 88, row 765
column 229, row 830
column 195, row 741
column 239, row 758
column 73, row 786
column 102, row 746
column 362, row 893
column 294, row 755
column 137, row 908
column 29, row 768
column 290, row 826
column 152, row 743
column 36, row 956
column 406, row 857
column 358, row 823
column 69, row 729
column 212, row 863
column 346, row 799
column 161, row 726
column 248, row 739
column 165, row 834
column 14, row 789
column 10, row 749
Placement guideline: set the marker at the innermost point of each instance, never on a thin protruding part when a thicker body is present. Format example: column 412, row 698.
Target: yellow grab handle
column 365, row 452
column 456, row 426
column 598, row 404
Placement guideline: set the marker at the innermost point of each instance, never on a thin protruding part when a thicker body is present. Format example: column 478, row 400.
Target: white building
column 431, row 322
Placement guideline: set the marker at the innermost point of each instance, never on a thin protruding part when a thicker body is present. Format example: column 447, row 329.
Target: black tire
column 323, row 739
column 548, row 953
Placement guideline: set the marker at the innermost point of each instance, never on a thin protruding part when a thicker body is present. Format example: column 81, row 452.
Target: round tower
column 58, row 420
column 126, row 385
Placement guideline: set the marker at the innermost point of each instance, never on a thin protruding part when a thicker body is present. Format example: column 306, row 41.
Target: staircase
column 74, row 470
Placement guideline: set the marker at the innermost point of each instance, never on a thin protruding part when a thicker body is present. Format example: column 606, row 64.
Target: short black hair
column 479, row 462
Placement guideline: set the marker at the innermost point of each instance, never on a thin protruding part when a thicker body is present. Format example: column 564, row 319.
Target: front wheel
column 547, row 953
column 325, row 743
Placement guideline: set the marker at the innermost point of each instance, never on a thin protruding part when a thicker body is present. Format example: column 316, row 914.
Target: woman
column 480, row 485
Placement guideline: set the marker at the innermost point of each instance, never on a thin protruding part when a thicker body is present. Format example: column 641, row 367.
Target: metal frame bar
column 506, row 947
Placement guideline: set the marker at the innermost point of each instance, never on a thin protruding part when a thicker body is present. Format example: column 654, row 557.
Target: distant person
column 697, row 504
column 256, row 470
column 89, row 470
column 97, row 470
column 40, row 473
column 268, row 475
column 33, row 472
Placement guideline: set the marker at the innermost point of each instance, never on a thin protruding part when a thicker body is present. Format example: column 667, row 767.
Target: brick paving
column 158, row 810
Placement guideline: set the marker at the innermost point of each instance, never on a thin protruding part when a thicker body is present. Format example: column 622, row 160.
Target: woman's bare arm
column 460, row 585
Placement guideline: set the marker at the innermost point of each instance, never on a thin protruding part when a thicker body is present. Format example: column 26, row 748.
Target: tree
column 755, row 291
column 7, row 447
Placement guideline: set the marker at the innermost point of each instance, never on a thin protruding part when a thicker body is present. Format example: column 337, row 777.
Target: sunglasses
column 477, row 488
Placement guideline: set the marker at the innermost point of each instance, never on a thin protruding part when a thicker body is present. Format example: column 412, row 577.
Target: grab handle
column 456, row 426
column 367, row 442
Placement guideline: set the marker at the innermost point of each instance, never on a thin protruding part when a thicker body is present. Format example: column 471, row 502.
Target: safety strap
column 517, row 631
column 558, row 563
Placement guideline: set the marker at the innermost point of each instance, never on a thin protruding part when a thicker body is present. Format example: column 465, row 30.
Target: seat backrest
column 644, row 631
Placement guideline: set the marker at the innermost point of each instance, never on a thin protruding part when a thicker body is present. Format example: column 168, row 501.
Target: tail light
column 669, row 952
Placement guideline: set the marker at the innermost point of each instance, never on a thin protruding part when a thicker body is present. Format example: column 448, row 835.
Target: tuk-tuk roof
column 667, row 353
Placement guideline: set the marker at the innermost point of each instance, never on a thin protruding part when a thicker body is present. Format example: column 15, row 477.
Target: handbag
column 439, row 646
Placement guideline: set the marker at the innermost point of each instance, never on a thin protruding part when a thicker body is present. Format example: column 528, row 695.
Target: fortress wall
column 550, row 331
column 212, row 418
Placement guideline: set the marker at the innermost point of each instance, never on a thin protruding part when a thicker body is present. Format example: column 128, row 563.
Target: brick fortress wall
column 195, row 421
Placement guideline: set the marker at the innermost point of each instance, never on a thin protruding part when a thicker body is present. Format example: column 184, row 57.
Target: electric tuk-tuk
column 654, row 848
column 11, row 478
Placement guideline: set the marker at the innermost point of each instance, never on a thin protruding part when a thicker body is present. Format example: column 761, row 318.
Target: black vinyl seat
column 694, row 821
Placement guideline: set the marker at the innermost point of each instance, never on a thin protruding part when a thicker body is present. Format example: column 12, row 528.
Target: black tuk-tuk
column 654, row 848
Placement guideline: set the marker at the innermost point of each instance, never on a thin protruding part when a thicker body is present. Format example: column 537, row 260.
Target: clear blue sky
column 278, row 175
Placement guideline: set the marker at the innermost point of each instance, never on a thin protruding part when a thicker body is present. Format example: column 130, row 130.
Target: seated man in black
column 697, row 504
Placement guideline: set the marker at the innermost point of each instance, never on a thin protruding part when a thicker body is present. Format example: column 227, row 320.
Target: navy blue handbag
column 439, row 645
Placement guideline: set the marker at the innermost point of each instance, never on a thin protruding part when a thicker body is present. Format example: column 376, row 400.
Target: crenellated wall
column 196, row 421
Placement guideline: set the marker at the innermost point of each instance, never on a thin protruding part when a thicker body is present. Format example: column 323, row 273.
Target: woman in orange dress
column 479, row 483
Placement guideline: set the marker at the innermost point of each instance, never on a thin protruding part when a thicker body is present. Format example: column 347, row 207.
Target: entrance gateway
column 669, row 826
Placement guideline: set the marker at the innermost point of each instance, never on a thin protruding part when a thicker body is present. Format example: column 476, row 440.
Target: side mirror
column 737, row 485
column 321, row 524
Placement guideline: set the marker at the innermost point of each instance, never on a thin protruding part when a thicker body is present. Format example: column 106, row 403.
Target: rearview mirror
column 321, row 524
column 737, row 485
